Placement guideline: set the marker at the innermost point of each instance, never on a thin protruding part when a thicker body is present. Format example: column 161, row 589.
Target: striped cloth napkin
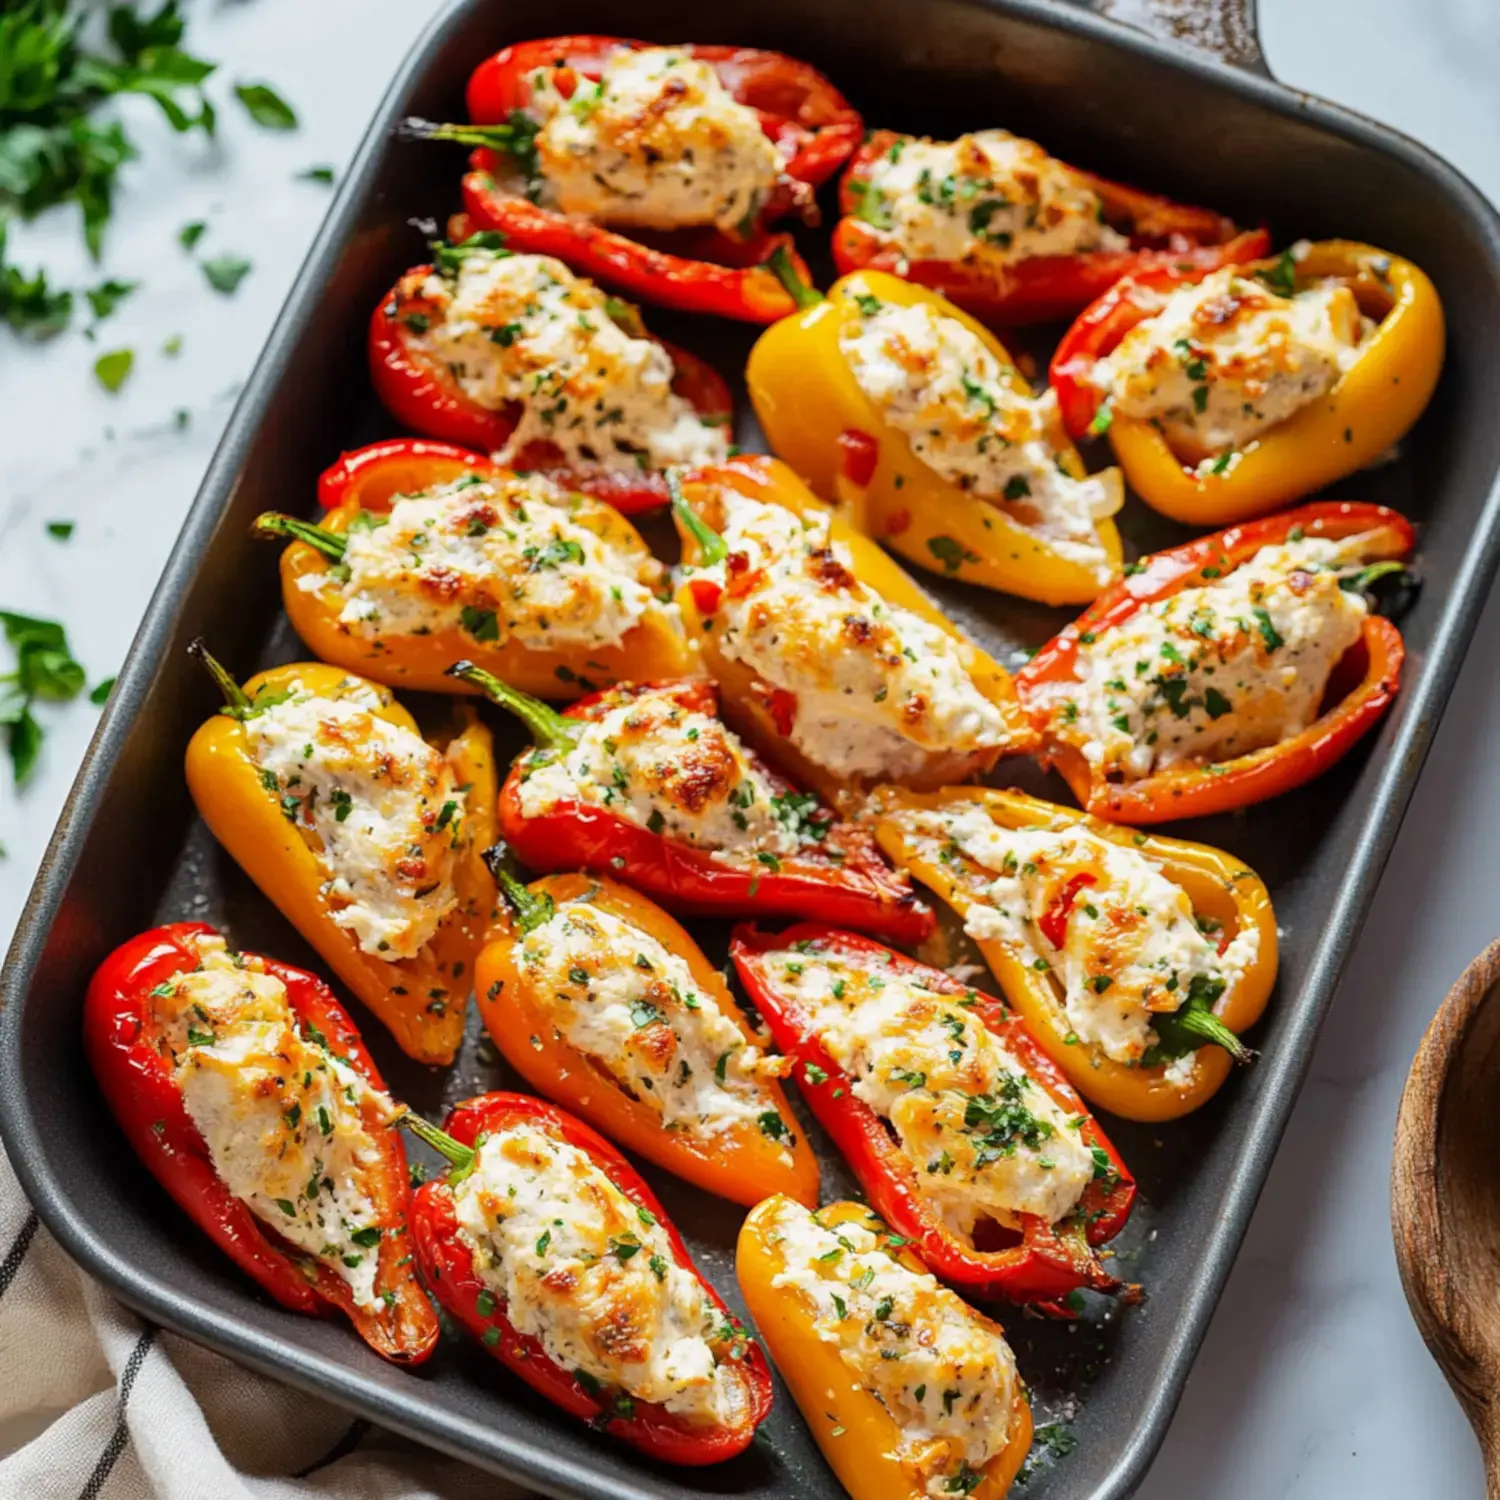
column 136, row 1413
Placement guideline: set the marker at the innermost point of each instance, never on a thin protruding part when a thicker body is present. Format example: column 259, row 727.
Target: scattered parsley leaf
column 28, row 303
column 321, row 174
column 99, row 695
column 107, row 296
column 112, row 370
column 225, row 272
column 190, row 234
column 62, row 530
column 265, row 106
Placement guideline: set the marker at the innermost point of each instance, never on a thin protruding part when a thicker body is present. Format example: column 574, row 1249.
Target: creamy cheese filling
column 676, row 772
column 943, row 1371
column 932, row 378
column 990, row 197
column 657, row 143
column 1216, row 671
column 380, row 804
column 503, row 558
column 287, row 1124
column 878, row 690
column 1131, row 947
column 524, row 331
column 984, row 1141
column 618, row 995
column 1222, row 361
column 576, row 1264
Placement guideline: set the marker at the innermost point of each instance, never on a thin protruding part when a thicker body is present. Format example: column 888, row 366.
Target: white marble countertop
column 1313, row 1382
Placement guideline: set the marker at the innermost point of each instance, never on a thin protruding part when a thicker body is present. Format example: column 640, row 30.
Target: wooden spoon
column 1445, row 1197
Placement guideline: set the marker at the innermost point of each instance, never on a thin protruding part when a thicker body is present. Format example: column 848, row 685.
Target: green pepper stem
column 274, row 524
column 712, row 547
column 462, row 1157
column 236, row 703
column 1366, row 578
column 531, row 909
column 1204, row 1023
column 803, row 293
column 495, row 137
column 549, row 729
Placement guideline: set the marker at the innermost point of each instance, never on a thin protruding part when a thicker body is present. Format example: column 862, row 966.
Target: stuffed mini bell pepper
column 1008, row 232
column 913, row 414
column 604, row 1004
column 1228, row 394
column 1228, row 670
column 1134, row 960
column 656, row 170
column 245, row 1089
column 962, row 1134
column 513, row 353
column 909, row 1392
column 644, row 783
column 827, row 654
column 544, row 1244
column 415, row 565
column 367, row 837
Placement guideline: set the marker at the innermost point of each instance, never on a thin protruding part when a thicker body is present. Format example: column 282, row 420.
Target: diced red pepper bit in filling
column 782, row 707
column 1054, row 923
column 706, row 595
column 742, row 578
column 860, row 455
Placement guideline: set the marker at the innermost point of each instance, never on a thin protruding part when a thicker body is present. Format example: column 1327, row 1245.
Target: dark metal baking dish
column 129, row 852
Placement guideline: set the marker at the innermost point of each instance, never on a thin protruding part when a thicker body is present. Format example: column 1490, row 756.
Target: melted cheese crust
column 675, row 772
column 943, row 1371
column 990, row 197
column 289, row 1128
column 380, row 806
column 1216, row 671
column 1226, row 359
column 983, row 1139
column 932, row 378
column 657, row 143
column 879, row 691
column 578, row 1265
column 502, row 558
column 1132, row 947
column 619, row 996
column 523, row 330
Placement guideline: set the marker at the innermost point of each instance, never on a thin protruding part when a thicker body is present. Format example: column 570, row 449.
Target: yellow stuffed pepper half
column 1135, row 960
column 890, row 398
column 909, row 1392
column 368, row 836
column 1229, row 393
column 414, row 567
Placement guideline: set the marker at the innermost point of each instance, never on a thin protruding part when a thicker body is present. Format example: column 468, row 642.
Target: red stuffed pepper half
column 514, row 354
column 544, row 1243
column 1226, row 671
column 245, row 1089
column 645, row 782
column 1009, row 233
column 655, row 169
column 964, row 1136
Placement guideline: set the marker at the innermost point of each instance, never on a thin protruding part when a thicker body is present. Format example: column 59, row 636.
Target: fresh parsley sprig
column 53, row 147
column 45, row 671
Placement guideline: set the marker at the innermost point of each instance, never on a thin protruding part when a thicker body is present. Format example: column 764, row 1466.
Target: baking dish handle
column 1225, row 29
